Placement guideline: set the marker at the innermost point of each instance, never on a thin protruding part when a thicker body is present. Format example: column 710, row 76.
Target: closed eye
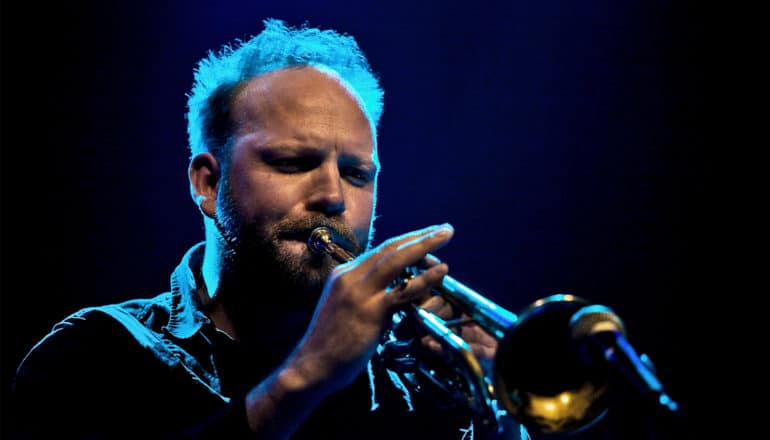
column 356, row 176
column 292, row 165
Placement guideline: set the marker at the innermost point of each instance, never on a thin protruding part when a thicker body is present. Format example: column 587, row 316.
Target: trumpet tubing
column 536, row 378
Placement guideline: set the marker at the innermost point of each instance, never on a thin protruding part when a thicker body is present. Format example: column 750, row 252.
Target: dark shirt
column 158, row 368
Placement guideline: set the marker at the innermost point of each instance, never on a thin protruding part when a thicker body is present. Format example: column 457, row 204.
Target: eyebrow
column 349, row 159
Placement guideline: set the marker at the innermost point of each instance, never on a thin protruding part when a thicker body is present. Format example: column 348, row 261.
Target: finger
column 430, row 260
column 360, row 266
column 483, row 344
column 417, row 287
column 483, row 352
column 392, row 263
column 480, row 351
column 438, row 305
column 432, row 344
column 370, row 257
column 475, row 333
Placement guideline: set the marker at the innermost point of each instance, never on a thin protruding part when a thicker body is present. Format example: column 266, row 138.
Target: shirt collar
column 186, row 316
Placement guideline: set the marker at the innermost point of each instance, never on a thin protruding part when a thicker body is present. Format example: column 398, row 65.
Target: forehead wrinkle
column 267, row 98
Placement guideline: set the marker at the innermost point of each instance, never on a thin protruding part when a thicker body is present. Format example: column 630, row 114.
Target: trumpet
column 537, row 377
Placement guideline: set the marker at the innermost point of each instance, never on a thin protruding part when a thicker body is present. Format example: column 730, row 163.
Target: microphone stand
column 601, row 335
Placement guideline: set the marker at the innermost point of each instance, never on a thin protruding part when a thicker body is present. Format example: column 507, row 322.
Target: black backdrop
column 613, row 150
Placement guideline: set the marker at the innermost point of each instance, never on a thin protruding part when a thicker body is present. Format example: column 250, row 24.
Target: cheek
column 262, row 196
column 361, row 211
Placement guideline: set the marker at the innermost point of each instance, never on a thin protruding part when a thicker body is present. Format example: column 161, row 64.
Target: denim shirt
column 159, row 368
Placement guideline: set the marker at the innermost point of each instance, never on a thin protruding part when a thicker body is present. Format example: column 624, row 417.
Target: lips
column 294, row 235
column 302, row 235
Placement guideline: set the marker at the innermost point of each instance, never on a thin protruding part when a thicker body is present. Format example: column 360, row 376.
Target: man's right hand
column 357, row 304
column 352, row 314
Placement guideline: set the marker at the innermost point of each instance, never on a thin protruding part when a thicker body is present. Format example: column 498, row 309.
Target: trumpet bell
column 541, row 378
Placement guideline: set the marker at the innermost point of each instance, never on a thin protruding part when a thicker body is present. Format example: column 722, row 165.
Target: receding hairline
column 324, row 71
column 221, row 75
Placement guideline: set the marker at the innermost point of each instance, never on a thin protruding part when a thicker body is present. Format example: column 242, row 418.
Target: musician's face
column 303, row 155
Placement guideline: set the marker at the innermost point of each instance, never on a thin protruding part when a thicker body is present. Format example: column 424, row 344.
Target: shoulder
column 93, row 363
column 133, row 317
column 93, row 335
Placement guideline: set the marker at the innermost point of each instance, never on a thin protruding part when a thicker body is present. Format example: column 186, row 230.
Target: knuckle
column 390, row 243
column 341, row 278
column 338, row 272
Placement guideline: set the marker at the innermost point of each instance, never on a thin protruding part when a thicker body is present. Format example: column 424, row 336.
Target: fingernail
column 444, row 229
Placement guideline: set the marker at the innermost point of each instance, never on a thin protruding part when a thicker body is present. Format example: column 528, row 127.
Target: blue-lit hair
column 219, row 76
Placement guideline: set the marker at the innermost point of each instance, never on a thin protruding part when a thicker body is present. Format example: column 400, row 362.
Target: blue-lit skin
column 303, row 149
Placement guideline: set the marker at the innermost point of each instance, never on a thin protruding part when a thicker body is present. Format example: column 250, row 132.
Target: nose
column 326, row 192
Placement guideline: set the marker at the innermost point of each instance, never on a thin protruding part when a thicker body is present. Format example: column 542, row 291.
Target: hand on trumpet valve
column 484, row 346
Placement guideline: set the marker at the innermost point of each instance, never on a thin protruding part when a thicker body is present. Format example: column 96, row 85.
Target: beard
column 259, row 268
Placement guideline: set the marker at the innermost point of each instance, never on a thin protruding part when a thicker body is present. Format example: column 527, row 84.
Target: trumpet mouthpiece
column 319, row 240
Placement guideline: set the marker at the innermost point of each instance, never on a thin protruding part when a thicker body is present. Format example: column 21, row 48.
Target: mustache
column 300, row 229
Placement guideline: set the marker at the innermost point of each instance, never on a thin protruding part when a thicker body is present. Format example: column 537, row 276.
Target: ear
column 204, row 181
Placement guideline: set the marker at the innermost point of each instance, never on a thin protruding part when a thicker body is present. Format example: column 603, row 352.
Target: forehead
column 303, row 106
column 300, row 88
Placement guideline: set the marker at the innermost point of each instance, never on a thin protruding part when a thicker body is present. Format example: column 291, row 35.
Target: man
column 258, row 336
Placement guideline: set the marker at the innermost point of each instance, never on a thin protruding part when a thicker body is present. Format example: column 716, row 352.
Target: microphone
column 601, row 337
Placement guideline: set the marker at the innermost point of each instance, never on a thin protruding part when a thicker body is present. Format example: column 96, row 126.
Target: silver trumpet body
column 535, row 376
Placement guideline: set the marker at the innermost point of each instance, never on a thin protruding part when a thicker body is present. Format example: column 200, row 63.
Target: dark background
column 612, row 150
